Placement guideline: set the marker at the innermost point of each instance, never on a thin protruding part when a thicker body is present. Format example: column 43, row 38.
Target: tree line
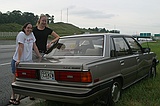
column 103, row 30
column 18, row 17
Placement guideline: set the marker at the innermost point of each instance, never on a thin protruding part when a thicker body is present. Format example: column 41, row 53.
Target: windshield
column 79, row 46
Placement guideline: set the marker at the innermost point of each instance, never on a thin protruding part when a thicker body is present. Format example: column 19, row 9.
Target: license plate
column 47, row 75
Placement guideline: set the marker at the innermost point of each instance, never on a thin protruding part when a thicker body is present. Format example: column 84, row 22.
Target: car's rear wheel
column 152, row 72
column 105, row 100
column 116, row 90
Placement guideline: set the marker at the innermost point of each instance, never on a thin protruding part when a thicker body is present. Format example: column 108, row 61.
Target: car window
column 134, row 45
column 80, row 46
column 121, row 46
column 112, row 49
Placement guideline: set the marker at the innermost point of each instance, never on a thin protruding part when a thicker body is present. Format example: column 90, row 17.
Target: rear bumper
column 67, row 94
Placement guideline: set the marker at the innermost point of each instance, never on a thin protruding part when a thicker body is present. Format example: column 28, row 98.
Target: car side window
column 134, row 45
column 112, row 49
column 121, row 46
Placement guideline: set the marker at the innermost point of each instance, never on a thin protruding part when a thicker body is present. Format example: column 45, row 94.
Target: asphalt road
column 7, row 49
column 6, row 77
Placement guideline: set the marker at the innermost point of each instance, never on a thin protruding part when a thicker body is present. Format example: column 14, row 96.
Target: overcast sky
column 128, row 16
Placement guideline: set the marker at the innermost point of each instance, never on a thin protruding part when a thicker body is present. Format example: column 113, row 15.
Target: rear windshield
column 79, row 46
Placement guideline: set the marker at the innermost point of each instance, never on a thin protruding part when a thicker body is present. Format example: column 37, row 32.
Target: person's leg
column 17, row 100
column 13, row 67
column 13, row 100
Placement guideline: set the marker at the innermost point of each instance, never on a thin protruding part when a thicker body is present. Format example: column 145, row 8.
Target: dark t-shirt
column 41, row 37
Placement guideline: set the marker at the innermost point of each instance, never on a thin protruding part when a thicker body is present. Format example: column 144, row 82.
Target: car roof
column 95, row 34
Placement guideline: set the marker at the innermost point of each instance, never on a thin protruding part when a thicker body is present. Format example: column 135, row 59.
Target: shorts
column 13, row 66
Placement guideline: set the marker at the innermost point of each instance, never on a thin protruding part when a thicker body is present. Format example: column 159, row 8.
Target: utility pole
column 61, row 15
column 67, row 15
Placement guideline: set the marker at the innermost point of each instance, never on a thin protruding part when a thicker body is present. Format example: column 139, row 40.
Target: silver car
column 84, row 68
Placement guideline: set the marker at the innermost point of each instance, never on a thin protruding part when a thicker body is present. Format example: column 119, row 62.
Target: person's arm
column 20, row 51
column 36, row 50
column 56, row 37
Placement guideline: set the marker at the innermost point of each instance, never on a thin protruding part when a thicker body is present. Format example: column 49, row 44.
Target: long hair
column 41, row 16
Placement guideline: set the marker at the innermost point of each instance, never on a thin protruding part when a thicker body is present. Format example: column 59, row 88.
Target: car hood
column 59, row 62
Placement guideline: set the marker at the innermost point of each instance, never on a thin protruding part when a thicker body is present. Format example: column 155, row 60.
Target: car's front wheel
column 116, row 90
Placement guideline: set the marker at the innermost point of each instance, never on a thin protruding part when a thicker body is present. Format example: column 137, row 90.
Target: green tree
column 52, row 19
column 18, row 17
column 30, row 17
column 48, row 18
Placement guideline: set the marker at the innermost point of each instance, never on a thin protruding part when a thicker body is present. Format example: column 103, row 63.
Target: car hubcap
column 115, row 92
column 153, row 72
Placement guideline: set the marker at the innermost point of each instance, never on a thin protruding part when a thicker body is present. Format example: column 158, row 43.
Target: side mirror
column 146, row 50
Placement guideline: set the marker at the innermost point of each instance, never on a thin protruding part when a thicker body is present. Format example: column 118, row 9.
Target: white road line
column 4, row 64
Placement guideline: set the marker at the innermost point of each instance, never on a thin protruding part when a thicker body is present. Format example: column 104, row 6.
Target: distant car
column 83, row 68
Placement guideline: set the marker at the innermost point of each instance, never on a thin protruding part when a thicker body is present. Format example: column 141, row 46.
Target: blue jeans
column 13, row 66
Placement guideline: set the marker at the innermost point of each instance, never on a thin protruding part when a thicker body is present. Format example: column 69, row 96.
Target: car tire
column 116, row 90
column 152, row 72
column 105, row 100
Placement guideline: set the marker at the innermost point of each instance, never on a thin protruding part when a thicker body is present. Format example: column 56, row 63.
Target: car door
column 127, row 61
column 143, row 61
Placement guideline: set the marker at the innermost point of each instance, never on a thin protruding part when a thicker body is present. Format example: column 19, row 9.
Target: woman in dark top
column 41, row 33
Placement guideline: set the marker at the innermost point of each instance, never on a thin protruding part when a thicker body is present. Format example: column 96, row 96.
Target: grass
column 144, row 93
column 60, row 28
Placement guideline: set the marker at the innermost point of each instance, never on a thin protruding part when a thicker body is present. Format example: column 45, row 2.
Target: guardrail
column 8, row 35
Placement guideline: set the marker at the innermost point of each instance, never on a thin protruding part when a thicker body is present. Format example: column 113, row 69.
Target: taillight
column 26, row 73
column 73, row 76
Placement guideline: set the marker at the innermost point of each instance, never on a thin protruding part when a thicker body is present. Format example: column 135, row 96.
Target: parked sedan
column 83, row 68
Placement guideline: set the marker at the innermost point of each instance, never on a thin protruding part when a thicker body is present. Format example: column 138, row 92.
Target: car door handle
column 137, row 58
column 122, row 62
